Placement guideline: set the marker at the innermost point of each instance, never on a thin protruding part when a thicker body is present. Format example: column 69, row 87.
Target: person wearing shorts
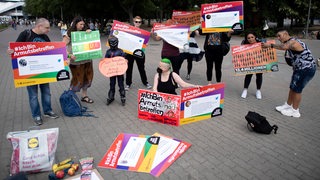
column 304, row 67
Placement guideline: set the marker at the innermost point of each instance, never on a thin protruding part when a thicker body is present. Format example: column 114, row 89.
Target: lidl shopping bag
column 33, row 151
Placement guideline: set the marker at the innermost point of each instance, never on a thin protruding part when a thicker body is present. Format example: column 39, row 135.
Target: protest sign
column 131, row 152
column 86, row 45
column 143, row 153
column 38, row 62
column 132, row 40
column 221, row 17
column 191, row 18
column 159, row 107
column 113, row 66
column 168, row 151
column 174, row 34
column 194, row 104
column 201, row 103
column 252, row 58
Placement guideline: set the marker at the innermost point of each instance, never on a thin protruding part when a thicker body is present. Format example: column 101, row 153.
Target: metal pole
column 307, row 28
column 61, row 13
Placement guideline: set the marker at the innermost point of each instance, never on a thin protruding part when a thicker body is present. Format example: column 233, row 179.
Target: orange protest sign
column 113, row 66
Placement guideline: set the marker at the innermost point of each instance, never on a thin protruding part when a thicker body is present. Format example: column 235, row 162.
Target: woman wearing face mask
column 251, row 38
column 166, row 81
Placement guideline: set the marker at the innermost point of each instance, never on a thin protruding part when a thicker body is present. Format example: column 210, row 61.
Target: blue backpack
column 71, row 106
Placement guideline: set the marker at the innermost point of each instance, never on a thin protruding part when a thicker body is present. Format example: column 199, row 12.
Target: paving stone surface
column 222, row 147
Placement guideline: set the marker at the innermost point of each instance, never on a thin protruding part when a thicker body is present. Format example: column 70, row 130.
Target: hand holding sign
column 113, row 66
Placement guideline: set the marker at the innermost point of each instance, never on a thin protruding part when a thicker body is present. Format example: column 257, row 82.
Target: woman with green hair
column 166, row 81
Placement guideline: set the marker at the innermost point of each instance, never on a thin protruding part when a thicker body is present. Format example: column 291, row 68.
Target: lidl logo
column 33, row 143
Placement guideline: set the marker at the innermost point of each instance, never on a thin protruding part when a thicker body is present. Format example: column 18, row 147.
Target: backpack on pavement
column 71, row 106
column 259, row 123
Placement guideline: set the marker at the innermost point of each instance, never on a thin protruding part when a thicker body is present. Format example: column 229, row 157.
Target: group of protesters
column 167, row 78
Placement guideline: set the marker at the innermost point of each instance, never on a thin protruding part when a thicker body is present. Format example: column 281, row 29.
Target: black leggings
column 248, row 77
column 217, row 58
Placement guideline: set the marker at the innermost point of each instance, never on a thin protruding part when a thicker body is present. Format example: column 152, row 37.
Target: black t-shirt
column 29, row 36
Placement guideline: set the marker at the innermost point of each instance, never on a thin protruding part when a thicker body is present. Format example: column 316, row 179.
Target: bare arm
column 155, row 82
column 182, row 83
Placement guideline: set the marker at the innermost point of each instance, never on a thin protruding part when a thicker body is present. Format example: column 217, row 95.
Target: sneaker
column 258, row 94
column 188, row 77
column 244, row 93
column 127, row 87
column 283, row 107
column 148, row 86
column 37, row 120
column 51, row 115
column 291, row 112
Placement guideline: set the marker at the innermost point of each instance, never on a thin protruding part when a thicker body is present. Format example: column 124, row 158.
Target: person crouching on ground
column 166, row 81
column 304, row 68
column 113, row 52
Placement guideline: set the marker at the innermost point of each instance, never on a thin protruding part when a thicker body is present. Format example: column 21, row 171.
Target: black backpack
column 259, row 123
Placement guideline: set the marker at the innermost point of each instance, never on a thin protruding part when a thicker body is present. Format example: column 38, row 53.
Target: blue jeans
column 45, row 99
column 300, row 79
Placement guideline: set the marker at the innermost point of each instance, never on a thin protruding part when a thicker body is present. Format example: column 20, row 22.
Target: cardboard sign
column 191, row 18
column 251, row 59
column 113, row 66
column 132, row 40
column 194, row 104
column 159, row 107
column 39, row 62
column 86, row 45
column 221, row 17
column 177, row 34
column 143, row 153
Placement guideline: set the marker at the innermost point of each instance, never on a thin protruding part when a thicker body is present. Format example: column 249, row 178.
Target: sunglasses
column 137, row 21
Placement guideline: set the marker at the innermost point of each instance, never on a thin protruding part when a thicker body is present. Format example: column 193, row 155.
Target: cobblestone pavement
column 222, row 147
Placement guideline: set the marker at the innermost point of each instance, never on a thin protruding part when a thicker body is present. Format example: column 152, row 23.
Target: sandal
column 86, row 99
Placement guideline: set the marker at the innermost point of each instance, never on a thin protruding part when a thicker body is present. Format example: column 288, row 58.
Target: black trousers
column 112, row 90
column 140, row 63
column 216, row 58
column 248, row 77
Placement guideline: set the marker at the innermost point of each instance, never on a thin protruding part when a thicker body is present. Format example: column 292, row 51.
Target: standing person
column 166, row 81
column 63, row 27
column 304, row 68
column 169, row 51
column 113, row 52
column 193, row 53
column 213, row 53
column 140, row 62
column 251, row 38
column 38, row 34
column 82, row 71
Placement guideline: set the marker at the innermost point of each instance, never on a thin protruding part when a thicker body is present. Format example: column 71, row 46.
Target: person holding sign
column 82, row 71
column 251, row 38
column 169, row 51
column 38, row 34
column 113, row 52
column 304, row 68
column 166, row 81
column 140, row 62
column 213, row 46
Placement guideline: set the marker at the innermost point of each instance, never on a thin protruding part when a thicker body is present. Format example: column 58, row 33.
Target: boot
column 110, row 97
column 123, row 101
column 123, row 96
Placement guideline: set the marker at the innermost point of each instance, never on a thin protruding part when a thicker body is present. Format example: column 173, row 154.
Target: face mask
column 159, row 70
